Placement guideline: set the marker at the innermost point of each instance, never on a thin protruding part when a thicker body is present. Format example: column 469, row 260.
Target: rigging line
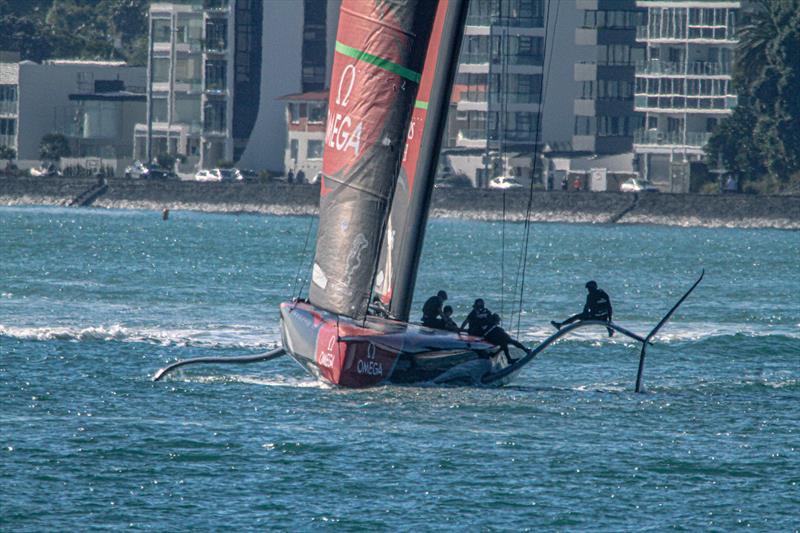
column 503, row 258
column 303, row 258
column 522, row 257
column 543, row 91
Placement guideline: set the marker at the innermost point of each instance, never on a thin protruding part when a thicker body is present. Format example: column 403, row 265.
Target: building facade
column 204, row 81
column 64, row 96
column 605, row 120
column 683, row 85
column 305, row 122
column 298, row 47
column 498, row 87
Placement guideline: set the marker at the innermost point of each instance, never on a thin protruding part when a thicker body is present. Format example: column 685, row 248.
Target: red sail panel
column 402, row 244
column 380, row 49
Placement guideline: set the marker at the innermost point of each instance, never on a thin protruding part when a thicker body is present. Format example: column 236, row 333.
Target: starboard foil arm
column 266, row 356
column 645, row 341
column 640, row 373
column 566, row 330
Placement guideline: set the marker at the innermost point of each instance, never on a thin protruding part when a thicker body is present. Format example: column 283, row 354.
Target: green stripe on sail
column 420, row 104
column 379, row 62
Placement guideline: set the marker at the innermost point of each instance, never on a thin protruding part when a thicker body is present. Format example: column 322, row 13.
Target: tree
column 53, row 147
column 763, row 134
column 732, row 142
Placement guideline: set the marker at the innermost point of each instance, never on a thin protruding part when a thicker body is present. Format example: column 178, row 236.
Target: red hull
column 360, row 354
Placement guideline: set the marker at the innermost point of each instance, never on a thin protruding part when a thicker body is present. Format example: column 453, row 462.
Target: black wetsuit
column 597, row 307
column 431, row 313
column 498, row 336
column 478, row 321
column 449, row 324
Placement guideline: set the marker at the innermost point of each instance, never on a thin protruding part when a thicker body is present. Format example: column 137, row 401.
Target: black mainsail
column 380, row 49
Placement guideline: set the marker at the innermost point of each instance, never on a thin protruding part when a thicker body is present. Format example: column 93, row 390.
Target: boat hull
column 378, row 351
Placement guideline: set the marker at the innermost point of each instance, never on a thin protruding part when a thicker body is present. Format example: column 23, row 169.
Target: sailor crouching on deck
column 498, row 336
column 597, row 307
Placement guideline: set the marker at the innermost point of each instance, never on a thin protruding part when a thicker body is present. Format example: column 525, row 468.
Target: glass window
column 214, row 120
column 216, row 34
column 160, row 69
column 187, row 70
column 294, row 148
column 8, row 126
column 160, row 113
column 187, row 109
column 314, row 149
column 162, row 30
column 316, row 113
column 294, row 113
column 216, row 75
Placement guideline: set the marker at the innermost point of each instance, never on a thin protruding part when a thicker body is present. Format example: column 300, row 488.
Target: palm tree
column 754, row 40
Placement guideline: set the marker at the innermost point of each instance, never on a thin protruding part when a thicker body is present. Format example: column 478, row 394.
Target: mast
column 405, row 232
column 380, row 49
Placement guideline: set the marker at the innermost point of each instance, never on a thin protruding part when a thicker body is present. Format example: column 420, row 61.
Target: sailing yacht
column 392, row 76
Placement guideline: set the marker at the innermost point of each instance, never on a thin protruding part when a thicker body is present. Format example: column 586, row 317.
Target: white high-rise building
column 683, row 86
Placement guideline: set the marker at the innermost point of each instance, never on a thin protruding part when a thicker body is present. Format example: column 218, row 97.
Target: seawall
column 742, row 211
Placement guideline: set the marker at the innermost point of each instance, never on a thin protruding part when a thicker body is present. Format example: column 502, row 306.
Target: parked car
column 45, row 171
column 504, row 182
column 219, row 174
column 207, row 175
column 637, row 185
column 139, row 170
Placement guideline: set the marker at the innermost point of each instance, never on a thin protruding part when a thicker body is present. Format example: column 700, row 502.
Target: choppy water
column 92, row 302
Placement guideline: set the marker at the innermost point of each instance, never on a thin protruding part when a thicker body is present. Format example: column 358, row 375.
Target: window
column 187, row 109
column 162, row 31
column 160, row 113
column 294, row 148
column 216, row 75
column 8, row 99
column 294, row 113
column 187, row 70
column 316, row 113
column 314, row 150
column 215, row 117
column 160, row 69
column 8, row 126
column 216, row 34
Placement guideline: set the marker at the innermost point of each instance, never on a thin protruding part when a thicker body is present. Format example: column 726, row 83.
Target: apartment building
column 204, row 81
column 88, row 101
column 605, row 120
column 683, row 85
column 498, row 88
column 305, row 122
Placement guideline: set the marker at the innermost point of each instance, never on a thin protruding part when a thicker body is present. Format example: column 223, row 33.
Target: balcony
column 511, row 22
column 695, row 139
column 721, row 34
column 8, row 140
column 685, row 104
column 694, row 68
column 8, row 107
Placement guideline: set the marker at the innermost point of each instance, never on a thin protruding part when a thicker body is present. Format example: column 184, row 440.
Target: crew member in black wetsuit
column 447, row 319
column 597, row 307
column 432, row 311
column 479, row 319
column 498, row 336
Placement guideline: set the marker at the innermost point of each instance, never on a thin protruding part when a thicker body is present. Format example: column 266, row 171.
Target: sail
column 402, row 244
column 380, row 49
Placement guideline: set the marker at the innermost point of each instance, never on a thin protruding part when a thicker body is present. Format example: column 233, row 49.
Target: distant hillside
column 85, row 29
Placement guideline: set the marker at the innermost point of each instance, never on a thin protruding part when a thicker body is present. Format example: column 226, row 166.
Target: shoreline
column 277, row 198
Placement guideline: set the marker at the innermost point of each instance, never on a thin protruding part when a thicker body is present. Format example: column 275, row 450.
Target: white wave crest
column 226, row 337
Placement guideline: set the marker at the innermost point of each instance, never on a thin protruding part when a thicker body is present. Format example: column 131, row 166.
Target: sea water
column 93, row 302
